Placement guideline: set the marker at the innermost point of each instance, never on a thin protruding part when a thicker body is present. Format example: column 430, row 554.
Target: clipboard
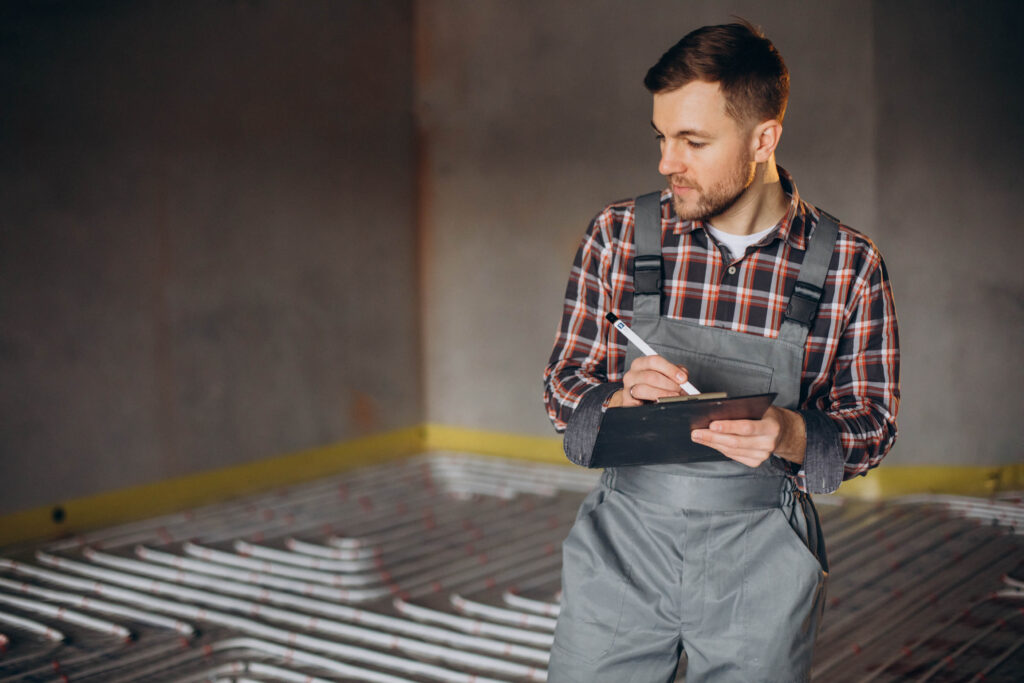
column 659, row 433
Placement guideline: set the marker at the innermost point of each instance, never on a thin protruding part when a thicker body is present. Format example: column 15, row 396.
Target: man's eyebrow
column 684, row 133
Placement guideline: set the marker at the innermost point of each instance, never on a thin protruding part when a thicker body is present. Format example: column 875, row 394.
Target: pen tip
column 612, row 317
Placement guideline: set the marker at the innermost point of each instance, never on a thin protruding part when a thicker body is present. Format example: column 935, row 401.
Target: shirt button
column 732, row 270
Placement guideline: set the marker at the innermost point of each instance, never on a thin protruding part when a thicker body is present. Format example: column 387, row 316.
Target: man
column 741, row 286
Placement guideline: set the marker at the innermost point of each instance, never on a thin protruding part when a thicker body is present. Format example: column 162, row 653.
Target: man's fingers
column 660, row 365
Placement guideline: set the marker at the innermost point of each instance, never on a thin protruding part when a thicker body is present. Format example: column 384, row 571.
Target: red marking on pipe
column 56, row 666
column 856, row 648
column 897, row 593
column 366, row 503
column 835, row 602
column 403, row 595
column 470, row 549
column 947, row 660
column 257, row 537
column 553, row 522
column 482, row 558
column 184, row 643
column 385, row 575
column 289, row 519
column 906, row 651
column 343, row 491
column 207, row 651
column 549, row 549
column 490, row 582
column 436, row 586
column 267, row 514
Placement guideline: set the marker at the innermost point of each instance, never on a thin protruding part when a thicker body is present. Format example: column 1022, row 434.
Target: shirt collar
column 793, row 226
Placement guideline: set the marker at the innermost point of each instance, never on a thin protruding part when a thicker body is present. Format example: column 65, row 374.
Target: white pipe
column 300, row 587
column 548, row 609
column 352, row 614
column 474, row 626
column 278, row 569
column 87, row 603
column 66, row 615
column 317, row 550
column 291, row 558
column 355, row 633
column 32, row 627
column 500, row 614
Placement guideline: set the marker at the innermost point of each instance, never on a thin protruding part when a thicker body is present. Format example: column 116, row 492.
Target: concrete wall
column 904, row 121
column 948, row 149
column 207, row 245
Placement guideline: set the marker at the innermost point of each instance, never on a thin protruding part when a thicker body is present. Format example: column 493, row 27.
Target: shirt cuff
column 581, row 430
column 823, row 458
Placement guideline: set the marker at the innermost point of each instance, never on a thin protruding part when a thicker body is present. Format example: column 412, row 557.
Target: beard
column 717, row 199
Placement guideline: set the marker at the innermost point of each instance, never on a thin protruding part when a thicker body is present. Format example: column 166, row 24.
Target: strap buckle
column 803, row 303
column 647, row 275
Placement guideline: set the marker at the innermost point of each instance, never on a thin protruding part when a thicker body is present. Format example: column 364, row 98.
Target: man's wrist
column 792, row 444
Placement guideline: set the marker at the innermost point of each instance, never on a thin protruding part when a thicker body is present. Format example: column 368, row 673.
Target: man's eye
column 697, row 145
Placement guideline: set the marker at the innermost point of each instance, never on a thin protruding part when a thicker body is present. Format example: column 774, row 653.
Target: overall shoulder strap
column 647, row 266
column 810, row 283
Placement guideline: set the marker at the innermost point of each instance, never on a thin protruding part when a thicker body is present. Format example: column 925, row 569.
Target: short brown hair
column 753, row 77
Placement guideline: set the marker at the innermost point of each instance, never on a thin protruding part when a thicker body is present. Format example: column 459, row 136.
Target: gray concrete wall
column 948, row 149
column 904, row 121
column 207, row 245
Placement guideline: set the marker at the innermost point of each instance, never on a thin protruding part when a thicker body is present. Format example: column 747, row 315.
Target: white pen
column 644, row 347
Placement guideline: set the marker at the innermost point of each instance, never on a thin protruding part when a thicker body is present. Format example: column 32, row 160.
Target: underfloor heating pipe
column 500, row 614
column 348, row 595
column 246, row 625
column 474, row 626
column 922, row 637
column 547, row 609
column 87, row 603
column 32, row 626
column 289, row 655
column 250, row 564
column 998, row 661
column 911, row 603
column 944, row 662
column 95, row 662
column 262, row 552
column 351, row 614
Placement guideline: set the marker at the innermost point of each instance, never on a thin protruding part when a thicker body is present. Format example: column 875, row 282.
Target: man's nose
column 671, row 160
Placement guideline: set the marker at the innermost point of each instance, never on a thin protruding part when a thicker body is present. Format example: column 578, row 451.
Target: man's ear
column 765, row 139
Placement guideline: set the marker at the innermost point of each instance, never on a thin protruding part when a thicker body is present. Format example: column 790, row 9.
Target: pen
column 644, row 347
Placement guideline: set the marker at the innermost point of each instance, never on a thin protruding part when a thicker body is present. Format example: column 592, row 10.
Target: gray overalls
column 724, row 561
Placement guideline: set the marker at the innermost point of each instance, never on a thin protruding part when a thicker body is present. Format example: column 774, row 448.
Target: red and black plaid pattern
column 851, row 363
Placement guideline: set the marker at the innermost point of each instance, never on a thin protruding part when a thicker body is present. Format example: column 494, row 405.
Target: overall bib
column 723, row 561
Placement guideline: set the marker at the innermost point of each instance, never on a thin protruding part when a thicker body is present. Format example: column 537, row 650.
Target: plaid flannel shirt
column 849, row 391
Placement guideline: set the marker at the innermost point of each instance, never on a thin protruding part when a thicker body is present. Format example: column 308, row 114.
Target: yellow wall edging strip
column 148, row 500
column 162, row 497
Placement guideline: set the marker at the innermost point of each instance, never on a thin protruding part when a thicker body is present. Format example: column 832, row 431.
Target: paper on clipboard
column 659, row 433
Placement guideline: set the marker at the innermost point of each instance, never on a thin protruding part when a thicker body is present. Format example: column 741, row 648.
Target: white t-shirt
column 736, row 244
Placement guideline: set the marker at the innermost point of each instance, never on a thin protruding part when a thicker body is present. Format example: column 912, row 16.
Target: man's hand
column 648, row 379
column 750, row 442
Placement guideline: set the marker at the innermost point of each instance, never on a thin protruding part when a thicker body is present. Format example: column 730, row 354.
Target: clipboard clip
column 711, row 395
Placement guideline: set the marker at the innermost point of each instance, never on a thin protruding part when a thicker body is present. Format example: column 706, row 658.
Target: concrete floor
column 445, row 567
